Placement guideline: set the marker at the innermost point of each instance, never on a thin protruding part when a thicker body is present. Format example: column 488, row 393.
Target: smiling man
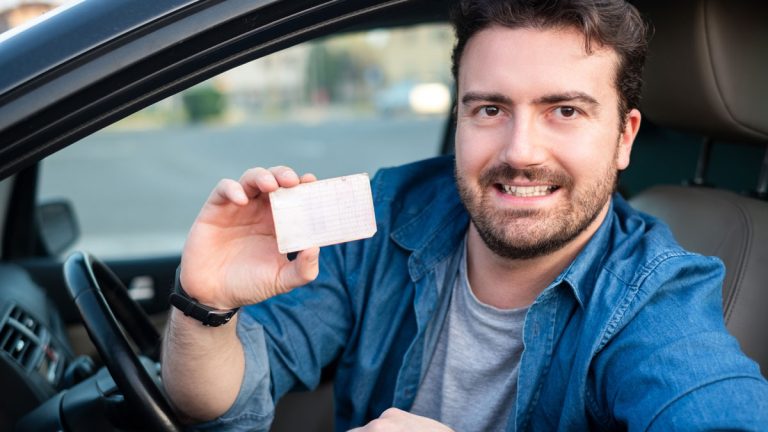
column 507, row 289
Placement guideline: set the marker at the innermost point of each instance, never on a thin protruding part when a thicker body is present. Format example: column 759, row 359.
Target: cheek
column 589, row 157
column 475, row 148
column 466, row 150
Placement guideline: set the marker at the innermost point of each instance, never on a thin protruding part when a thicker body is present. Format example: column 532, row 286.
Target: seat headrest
column 707, row 67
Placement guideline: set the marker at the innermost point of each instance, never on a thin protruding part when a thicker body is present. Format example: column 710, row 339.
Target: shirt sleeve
column 673, row 365
column 253, row 409
column 307, row 328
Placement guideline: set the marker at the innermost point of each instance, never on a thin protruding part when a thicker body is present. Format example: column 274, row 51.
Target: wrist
column 191, row 307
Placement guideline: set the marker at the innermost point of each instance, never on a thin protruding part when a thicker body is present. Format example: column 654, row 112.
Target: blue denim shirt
column 629, row 336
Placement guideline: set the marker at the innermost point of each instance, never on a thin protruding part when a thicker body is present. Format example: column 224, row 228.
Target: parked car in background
column 407, row 97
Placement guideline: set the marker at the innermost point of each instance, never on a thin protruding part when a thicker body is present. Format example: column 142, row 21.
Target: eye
column 566, row 111
column 490, row 110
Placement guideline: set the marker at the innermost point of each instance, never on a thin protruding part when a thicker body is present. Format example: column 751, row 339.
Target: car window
column 341, row 105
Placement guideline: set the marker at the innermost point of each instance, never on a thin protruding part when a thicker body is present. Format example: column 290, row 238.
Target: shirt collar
column 581, row 275
column 435, row 231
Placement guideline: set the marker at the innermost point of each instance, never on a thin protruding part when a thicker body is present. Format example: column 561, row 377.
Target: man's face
column 538, row 143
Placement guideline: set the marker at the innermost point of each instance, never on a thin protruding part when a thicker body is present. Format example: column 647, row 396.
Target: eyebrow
column 574, row 96
column 498, row 98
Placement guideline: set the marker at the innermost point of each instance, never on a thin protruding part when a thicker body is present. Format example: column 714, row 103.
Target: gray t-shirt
column 471, row 381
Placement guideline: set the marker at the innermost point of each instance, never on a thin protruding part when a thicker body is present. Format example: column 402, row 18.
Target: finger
column 228, row 191
column 286, row 177
column 392, row 412
column 302, row 270
column 308, row 178
column 257, row 180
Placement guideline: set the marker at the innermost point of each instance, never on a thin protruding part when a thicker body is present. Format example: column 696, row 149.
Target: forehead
column 550, row 59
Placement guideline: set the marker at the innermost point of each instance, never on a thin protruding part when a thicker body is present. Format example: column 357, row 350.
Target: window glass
column 342, row 105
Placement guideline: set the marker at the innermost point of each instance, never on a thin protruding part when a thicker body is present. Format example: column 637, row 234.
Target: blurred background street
column 333, row 106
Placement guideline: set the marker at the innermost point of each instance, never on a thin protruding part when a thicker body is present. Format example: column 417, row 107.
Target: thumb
column 303, row 269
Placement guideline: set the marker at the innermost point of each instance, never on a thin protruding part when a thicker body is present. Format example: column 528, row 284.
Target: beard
column 531, row 233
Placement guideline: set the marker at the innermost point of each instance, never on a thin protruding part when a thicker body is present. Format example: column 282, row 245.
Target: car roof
column 59, row 35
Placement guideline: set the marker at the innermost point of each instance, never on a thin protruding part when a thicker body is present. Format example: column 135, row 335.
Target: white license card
column 323, row 213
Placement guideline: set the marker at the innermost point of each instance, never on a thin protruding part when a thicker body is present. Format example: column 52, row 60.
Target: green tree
column 203, row 103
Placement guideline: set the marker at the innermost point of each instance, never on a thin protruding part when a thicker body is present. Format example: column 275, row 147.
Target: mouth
column 526, row 191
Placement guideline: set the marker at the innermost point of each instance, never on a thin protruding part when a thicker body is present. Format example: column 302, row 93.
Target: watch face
column 216, row 319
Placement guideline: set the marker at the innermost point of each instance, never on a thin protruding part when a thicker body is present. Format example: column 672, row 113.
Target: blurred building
column 348, row 69
column 276, row 80
column 21, row 12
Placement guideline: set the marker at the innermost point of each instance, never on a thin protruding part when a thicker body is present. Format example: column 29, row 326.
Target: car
column 409, row 97
column 117, row 118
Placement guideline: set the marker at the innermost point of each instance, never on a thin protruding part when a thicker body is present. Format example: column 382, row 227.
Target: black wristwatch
column 207, row 315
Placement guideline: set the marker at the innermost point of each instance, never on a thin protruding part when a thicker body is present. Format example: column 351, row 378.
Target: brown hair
column 611, row 23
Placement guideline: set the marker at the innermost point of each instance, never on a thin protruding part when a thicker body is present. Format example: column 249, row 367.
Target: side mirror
column 58, row 226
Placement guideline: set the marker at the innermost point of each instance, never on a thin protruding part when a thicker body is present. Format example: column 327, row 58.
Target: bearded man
column 508, row 287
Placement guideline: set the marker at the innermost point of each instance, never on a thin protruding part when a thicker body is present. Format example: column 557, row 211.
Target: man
column 518, row 294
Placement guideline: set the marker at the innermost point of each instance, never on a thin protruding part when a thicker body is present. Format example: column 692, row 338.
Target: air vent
column 18, row 336
column 24, row 319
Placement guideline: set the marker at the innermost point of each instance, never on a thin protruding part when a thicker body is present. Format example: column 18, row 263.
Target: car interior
column 714, row 89
column 66, row 304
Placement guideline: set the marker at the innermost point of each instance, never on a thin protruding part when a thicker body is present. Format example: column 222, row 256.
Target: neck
column 514, row 283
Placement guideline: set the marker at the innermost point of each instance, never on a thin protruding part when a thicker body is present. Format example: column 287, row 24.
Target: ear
column 627, row 138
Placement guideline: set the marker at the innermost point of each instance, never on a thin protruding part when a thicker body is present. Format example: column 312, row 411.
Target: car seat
column 707, row 72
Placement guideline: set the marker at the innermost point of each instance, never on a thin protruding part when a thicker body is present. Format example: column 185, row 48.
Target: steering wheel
column 104, row 303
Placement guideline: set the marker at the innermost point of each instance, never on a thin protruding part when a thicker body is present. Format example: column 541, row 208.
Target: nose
column 522, row 146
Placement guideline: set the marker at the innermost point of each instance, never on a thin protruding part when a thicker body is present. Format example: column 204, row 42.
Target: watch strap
column 188, row 305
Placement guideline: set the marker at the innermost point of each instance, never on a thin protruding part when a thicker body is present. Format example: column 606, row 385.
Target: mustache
column 507, row 174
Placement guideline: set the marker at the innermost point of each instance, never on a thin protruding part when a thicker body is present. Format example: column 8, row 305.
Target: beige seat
column 707, row 72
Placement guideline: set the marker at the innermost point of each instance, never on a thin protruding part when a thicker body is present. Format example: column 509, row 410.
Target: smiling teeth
column 527, row 191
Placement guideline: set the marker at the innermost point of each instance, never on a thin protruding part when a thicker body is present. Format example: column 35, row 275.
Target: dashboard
column 36, row 361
